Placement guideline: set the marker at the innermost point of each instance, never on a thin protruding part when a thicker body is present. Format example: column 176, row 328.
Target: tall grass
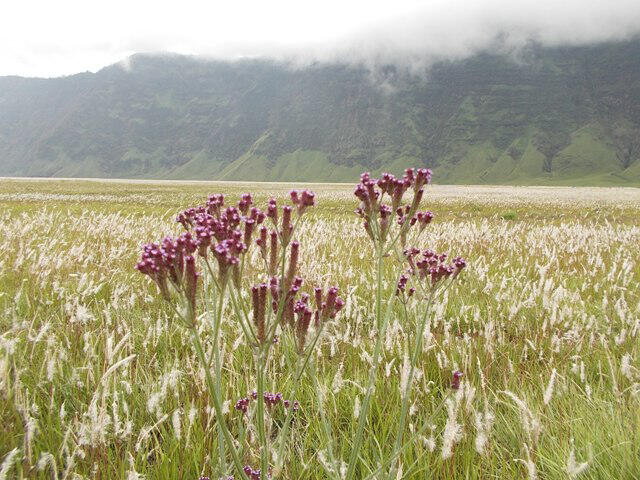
column 99, row 380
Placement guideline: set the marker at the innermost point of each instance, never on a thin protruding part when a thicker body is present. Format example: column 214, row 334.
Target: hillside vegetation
column 549, row 116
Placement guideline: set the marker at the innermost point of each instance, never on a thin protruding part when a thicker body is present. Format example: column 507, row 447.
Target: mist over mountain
column 566, row 115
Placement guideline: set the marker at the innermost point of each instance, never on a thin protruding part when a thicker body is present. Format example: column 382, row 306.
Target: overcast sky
column 52, row 38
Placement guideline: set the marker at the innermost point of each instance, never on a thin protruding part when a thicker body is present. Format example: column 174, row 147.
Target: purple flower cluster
column 224, row 234
column 242, row 405
column 254, row 474
column 284, row 291
column 402, row 286
column 428, row 264
column 326, row 307
column 302, row 199
column 455, row 379
column 171, row 261
column 377, row 215
column 270, row 400
column 249, row 472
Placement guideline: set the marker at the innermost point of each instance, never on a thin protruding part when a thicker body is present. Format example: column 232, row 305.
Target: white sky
column 59, row 37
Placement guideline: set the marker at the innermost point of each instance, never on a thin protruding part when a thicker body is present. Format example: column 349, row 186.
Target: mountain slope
column 563, row 115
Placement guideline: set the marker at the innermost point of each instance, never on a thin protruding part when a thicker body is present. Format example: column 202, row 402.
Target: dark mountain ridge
column 566, row 115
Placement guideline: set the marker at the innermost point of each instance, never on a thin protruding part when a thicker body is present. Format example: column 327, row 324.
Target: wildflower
column 273, row 253
column 254, row 474
column 424, row 219
column 191, row 285
column 402, row 284
column 372, row 211
column 242, row 405
column 249, row 225
column 272, row 211
column 433, row 266
column 259, row 297
column 272, row 399
column 455, row 380
column 262, row 242
column 302, row 325
column 224, row 254
column 302, row 200
column 288, row 403
column 244, row 203
column 293, row 264
column 287, row 227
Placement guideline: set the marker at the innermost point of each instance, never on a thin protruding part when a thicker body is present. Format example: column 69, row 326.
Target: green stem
column 323, row 419
column 385, row 463
column 300, row 370
column 264, row 450
column 216, row 404
column 382, row 328
column 216, row 354
column 409, row 385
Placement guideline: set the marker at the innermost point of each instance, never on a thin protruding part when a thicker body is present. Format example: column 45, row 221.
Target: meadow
column 99, row 379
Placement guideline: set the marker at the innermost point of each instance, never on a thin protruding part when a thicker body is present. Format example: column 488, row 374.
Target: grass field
column 98, row 380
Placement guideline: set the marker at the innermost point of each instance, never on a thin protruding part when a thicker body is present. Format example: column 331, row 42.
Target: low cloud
column 75, row 36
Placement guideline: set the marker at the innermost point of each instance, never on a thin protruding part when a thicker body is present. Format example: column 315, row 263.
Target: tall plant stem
column 323, row 418
column 264, row 450
column 217, row 404
column 296, row 383
column 216, row 354
column 409, row 386
column 382, row 328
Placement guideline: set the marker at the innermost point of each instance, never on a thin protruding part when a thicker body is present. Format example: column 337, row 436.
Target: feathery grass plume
column 532, row 471
column 9, row 460
column 483, row 422
column 530, row 422
column 548, row 393
column 573, row 468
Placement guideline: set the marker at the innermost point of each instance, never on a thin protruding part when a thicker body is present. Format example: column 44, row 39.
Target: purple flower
column 455, row 379
column 424, row 218
column 293, row 265
column 244, row 203
column 242, row 405
column 273, row 253
column 259, row 298
column 302, row 200
column 272, row 211
column 287, row 228
column 272, row 399
column 432, row 265
column 191, row 285
column 402, row 284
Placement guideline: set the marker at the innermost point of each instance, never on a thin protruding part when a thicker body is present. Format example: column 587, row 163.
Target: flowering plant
column 198, row 271
column 203, row 267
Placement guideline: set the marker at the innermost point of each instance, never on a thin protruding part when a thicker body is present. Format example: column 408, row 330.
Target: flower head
column 455, row 379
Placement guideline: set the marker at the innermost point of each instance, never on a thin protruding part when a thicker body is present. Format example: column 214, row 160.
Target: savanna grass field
column 99, row 378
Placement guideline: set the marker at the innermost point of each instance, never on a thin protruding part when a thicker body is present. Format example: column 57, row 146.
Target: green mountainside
column 566, row 115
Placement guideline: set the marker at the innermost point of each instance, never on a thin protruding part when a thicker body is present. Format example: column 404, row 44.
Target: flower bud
column 293, row 265
column 287, row 228
column 272, row 211
column 273, row 254
column 249, row 225
column 455, row 379
column 190, row 287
